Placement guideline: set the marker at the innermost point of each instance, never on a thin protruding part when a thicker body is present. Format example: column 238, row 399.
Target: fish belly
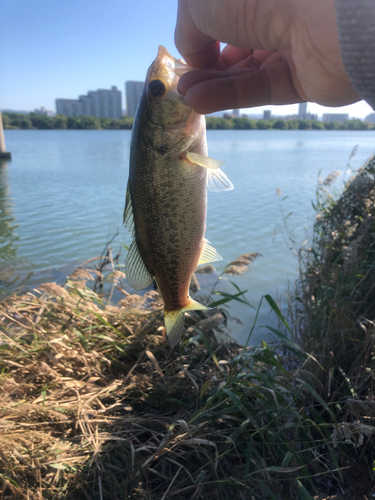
column 169, row 198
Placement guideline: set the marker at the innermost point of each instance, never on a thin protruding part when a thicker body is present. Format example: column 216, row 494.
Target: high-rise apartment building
column 102, row 103
column 133, row 92
column 302, row 110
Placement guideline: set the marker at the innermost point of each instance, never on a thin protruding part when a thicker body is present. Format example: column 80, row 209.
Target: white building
column 335, row 117
column 102, row 103
column 133, row 92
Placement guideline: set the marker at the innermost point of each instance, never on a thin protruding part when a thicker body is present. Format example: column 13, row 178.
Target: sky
column 51, row 49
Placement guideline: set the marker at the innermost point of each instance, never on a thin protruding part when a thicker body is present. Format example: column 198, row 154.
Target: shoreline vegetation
column 95, row 404
column 34, row 121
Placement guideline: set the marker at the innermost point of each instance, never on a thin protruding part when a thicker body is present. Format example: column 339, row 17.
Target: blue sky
column 52, row 49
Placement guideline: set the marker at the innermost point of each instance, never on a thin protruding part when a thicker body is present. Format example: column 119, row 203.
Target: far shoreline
column 35, row 121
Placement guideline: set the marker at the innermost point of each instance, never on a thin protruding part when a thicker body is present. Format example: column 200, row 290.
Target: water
column 62, row 199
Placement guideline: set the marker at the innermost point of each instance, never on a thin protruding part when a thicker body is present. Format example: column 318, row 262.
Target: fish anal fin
column 204, row 161
column 136, row 272
column 174, row 320
column 209, row 254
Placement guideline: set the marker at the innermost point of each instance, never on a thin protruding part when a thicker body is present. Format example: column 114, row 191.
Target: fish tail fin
column 174, row 320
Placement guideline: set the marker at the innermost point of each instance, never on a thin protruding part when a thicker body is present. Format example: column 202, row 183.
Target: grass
column 95, row 404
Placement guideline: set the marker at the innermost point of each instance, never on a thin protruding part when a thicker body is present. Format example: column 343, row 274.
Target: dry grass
column 75, row 377
column 95, row 404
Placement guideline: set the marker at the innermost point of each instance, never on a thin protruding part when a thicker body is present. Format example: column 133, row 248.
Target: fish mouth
column 170, row 63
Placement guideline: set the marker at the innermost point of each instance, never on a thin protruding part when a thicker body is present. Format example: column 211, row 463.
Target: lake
column 62, row 199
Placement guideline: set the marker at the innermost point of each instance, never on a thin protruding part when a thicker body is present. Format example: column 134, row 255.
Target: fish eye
column 157, row 88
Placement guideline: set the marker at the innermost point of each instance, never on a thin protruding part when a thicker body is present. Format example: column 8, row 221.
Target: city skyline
column 47, row 51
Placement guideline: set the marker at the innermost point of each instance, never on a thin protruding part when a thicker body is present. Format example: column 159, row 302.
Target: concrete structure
column 102, row 103
column 370, row 118
column 335, row 117
column 267, row 114
column 236, row 113
column 133, row 92
column 4, row 154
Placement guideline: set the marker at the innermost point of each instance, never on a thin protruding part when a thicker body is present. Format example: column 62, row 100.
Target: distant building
column 304, row 115
column 335, row 117
column 236, row 113
column 370, row 118
column 43, row 111
column 68, row 107
column 102, row 103
column 133, row 92
column 267, row 114
column 302, row 110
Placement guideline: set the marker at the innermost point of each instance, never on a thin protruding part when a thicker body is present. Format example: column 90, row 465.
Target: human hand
column 277, row 52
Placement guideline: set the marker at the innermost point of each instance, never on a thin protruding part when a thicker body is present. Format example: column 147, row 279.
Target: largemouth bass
column 166, row 198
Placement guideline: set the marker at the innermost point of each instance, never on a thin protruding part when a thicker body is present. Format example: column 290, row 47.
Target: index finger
column 203, row 50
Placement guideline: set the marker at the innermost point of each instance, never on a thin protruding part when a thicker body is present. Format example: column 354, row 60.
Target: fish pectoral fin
column 128, row 219
column 136, row 271
column 218, row 181
column 209, row 254
column 204, row 161
column 174, row 320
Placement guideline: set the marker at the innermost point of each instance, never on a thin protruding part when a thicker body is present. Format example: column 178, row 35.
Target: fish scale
column 166, row 201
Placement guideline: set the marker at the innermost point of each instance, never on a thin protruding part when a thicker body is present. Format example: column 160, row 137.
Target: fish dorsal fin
column 128, row 219
column 204, row 161
column 174, row 320
column 136, row 272
column 209, row 254
column 218, row 181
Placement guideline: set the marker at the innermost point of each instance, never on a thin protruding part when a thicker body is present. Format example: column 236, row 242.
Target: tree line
column 37, row 121
column 62, row 122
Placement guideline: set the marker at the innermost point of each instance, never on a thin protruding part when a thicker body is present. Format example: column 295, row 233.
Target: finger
column 239, row 57
column 201, row 23
column 269, row 85
column 192, row 78
column 231, row 55
column 260, row 56
column 197, row 48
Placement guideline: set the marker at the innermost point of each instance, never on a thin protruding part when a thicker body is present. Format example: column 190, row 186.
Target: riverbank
column 96, row 404
column 61, row 122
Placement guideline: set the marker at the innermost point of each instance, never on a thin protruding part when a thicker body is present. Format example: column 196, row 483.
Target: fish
column 166, row 196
